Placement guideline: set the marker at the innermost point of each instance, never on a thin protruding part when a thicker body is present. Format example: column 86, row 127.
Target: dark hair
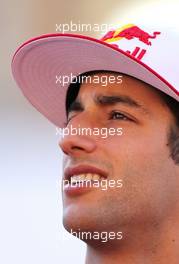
column 171, row 103
column 173, row 136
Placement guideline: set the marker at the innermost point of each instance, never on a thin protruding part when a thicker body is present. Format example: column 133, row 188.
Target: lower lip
column 78, row 189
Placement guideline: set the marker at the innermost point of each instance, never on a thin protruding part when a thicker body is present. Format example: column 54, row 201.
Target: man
column 135, row 218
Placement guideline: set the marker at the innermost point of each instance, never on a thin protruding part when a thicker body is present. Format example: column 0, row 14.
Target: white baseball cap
column 148, row 54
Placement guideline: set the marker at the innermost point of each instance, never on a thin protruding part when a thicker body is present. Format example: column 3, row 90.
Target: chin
column 75, row 218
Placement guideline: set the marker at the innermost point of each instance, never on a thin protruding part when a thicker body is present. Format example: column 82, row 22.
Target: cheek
column 142, row 163
column 137, row 143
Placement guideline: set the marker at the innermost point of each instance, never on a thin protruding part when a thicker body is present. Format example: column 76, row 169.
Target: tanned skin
column 146, row 208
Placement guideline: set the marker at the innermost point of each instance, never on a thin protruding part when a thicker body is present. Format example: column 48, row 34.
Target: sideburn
column 173, row 144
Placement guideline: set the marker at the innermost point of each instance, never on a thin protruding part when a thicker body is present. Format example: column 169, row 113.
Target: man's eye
column 118, row 115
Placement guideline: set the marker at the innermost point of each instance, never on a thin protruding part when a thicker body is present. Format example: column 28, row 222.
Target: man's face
column 139, row 157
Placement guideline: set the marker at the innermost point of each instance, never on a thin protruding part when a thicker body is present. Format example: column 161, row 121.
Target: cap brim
column 38, row 63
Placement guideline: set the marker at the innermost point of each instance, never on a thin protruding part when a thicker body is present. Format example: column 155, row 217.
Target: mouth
column 78, row 179
column 84, row 177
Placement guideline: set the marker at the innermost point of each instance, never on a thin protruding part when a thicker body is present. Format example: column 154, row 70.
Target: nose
column 76, row 143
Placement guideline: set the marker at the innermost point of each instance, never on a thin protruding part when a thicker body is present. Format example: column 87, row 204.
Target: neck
column 158, row 243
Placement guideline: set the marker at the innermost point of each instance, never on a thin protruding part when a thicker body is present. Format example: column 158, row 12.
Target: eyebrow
column 75, row 106
column 111, row 100
column 103, row 100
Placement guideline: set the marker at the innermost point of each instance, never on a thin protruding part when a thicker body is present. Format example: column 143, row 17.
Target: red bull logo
column 129, row 32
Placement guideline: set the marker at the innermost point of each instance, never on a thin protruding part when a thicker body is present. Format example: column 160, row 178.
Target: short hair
column 171, row 104
column 173, row 135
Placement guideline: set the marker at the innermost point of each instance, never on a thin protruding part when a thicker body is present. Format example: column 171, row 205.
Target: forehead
column 127, row 86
